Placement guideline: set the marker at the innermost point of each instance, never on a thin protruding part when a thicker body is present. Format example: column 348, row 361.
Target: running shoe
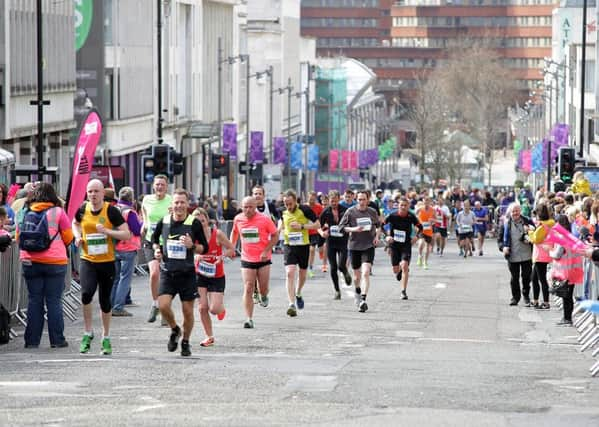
column 106, row 347
column 59, row 345
column 163, row 322
column 419, row 262
column 249, row 324
column 299, row 301
column 291, row 311
column 310, row 273
column 256, row 296
column 347, row 278
column 121, row 313
column 480, row 253
column 363, row 306
column 544, row 306
column 399, row 275
column 337, row 295
column 264, row 300
column 404, row 295
column 153, row 314
column 425, row 265
column 185, row 348
column 208, row 342
column 221, row 315
column 564, row 322
column 86, row 342
column 173, row 341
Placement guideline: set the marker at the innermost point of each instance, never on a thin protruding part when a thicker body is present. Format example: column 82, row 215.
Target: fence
column 585, row 321
column 13, row 289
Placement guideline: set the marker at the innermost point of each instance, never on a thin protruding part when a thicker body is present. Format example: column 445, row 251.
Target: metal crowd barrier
column 586, row 322
column 10, row 281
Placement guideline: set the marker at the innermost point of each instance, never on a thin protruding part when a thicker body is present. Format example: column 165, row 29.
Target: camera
column 524, row 238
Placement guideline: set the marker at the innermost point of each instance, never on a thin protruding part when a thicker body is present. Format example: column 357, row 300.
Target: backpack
column 34, row 234
column 4, row 325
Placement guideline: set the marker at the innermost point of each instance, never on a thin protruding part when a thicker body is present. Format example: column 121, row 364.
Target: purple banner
column 256, row 149
column 363, row 159
column 373, row 156
column 230, row 140
column 560, row 134
column 280, row 155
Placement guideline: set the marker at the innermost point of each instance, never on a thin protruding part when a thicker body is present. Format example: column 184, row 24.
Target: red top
column 205, row 264
column 317, row 209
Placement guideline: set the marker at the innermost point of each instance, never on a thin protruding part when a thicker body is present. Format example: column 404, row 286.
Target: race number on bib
column 296, row 239
column 426, row 226
column 399, row 236
column 335, row 231
column 97, row 244
column 250, row 235
column 175, row 249
column 207, row 269
column 465, row 228
column 365, row 223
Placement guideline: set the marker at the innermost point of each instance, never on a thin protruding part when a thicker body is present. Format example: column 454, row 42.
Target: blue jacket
column 506, row 232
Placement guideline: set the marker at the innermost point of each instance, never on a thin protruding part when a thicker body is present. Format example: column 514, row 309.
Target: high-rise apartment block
column 398, row 39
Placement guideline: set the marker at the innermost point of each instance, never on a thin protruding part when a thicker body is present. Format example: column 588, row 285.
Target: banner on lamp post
column 333, row 160
column 230, row 140
column 296, row 155
column 313, row 157
column 256, row 147
column 280, row 155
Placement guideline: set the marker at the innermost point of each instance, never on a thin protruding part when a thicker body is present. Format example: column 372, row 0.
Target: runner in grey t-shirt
column 364, row 225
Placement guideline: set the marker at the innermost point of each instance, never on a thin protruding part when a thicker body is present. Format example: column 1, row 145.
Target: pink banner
column 353, row 160
column 89, row 136
column 560, row 236
column 526, row 161
column 333, row 160
column 345, row 159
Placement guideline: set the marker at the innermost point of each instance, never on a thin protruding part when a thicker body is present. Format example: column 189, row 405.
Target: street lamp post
column 583, row 78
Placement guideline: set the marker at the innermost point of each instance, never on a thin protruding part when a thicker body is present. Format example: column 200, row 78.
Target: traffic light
column 565, row 164
column 220, row 165
column 175, row 163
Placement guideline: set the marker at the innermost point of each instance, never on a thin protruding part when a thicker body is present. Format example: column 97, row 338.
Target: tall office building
column 400, row 38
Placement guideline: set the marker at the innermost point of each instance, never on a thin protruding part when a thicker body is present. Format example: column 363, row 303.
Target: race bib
column 250, row 235
column 465, row 228
column 296, row 238
column 97, row 244
column 175, row 249
column 334, row 232
column 207, row 269
column 399, row 236
column 366, row 223
column 426, row 226
column 439, row 219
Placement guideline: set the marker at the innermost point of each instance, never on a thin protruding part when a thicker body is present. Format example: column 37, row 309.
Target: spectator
column 3, row 203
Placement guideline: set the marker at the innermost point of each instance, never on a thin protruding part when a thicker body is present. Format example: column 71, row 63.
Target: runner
column 464, row 222
column 95, row 227
column 295, row 223
column 426, row 216
column 442, row 217
column 176, row 239
column 348, row 199
column 363, row 224
column 154, row 207
column 267, row 208
column 316, row 240
column 258, row 236
column 480, row 227
column 336, row 241
column 400, row 229
column 210, row 274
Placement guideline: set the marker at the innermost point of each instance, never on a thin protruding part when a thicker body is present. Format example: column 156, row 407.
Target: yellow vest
column 299, row 237
column 96, row 247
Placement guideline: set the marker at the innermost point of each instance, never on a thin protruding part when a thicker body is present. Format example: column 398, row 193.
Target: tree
column 479, row 88
column 428, row 114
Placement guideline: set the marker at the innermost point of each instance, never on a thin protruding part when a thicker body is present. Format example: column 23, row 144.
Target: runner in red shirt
column 316, row 240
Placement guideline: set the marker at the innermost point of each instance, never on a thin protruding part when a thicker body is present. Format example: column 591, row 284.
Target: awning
column 6, row 157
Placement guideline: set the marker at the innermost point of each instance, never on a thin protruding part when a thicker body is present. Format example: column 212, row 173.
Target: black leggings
column 539, row 274
column 332, row 253
column 100, row 276
column 569, row 303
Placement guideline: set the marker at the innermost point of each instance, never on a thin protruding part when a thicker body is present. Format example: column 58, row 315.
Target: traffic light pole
column 548, row 165
column 582, row 79
column 159, row 70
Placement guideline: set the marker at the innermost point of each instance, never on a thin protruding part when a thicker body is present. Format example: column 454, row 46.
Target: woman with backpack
column 43, row 235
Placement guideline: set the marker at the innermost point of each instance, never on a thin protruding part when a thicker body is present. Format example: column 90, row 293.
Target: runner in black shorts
column 401, row 223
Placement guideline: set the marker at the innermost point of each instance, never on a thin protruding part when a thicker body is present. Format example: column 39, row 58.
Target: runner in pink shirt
column 258, row 236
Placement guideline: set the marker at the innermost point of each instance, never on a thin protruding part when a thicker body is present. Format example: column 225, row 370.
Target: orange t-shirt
column 426, row 218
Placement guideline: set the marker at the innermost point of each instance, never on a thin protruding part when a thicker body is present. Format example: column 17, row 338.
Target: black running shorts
column 360, row 257
column 213, row 284
column 400, row 253
column 297, row 255
column 182, row 283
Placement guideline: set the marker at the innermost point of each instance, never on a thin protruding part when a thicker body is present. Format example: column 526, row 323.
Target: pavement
column 454, row 354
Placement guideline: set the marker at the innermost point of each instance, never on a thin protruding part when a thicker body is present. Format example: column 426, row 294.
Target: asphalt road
column 454, row 354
